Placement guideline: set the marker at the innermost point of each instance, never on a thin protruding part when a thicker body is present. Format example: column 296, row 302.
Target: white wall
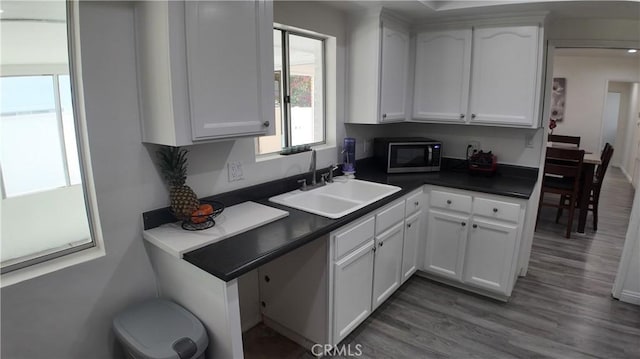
column 68, row 314
column 508, row 144
column 620, row 138
column 632, row 133
column 627, row 283
column 587, row 79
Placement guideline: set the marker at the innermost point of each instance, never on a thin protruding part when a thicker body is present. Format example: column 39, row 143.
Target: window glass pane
column 274, row 143
column 32, row 156
column 69, row 130
column 44, row 214
column 306, row 90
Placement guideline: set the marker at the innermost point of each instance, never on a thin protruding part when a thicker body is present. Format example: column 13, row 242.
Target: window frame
column 51, row 260
column 286, row 90
column 55, row 75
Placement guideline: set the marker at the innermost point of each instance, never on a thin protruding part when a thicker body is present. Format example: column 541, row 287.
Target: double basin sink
column 336, row 199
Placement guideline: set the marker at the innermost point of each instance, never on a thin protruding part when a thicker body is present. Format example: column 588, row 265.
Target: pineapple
column 173, row 165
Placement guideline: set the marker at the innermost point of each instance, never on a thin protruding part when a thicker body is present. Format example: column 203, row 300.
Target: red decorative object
column 552, row 125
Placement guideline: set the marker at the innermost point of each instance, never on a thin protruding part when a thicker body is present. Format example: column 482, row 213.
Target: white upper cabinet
column 379, row 46
column 205, row 70
column 505, row 75
column 441, row 87
column 479, row 75
column 394, row 72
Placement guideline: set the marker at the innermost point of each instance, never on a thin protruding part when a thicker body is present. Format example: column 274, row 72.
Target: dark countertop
column 232, row 257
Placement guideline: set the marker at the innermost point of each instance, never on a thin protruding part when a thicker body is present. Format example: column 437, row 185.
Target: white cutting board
column 234, row 220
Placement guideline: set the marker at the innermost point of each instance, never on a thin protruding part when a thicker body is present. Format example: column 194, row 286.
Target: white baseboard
column 624, row 172
column 630, row 297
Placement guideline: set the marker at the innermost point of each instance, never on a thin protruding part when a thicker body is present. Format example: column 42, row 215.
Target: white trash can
column 160, row 329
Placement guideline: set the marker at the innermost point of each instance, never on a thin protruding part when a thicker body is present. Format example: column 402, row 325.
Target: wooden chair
column 562, row 169
column 594, row 199
column 594, row 196
column 574, row 140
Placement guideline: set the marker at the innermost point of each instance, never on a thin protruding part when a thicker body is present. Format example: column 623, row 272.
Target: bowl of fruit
column 203, row 217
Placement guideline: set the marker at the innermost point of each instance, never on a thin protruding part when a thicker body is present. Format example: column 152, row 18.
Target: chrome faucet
column 312, row 167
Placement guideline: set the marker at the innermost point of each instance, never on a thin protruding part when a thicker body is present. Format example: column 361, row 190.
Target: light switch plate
column 234, row 171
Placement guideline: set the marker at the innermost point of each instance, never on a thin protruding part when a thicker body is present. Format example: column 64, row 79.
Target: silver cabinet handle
column 384, row 115
column 408, row 225
column 495, row 210
column 381, row 244
column 462, row 115
column 416, row 203
column 448, row 201
column 463, row 224
column 475, row 226
column 266, row 124
column 473, row 115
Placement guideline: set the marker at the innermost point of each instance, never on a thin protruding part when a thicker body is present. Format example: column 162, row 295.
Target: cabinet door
column 230, row 68
column 410, row 247
column 387, row 271
column 490, row 254
column 394, row 68
column 353, row 280
column 446, row 238
column 504, row 75
column 441, row 88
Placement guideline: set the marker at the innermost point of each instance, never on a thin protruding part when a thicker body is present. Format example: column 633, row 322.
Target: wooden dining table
column 591, row 160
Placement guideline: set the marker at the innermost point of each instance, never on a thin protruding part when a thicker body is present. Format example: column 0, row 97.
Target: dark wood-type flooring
column 562, row 309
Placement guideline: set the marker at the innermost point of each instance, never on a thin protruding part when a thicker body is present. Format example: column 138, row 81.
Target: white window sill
column 276, row 156
column 50, row 266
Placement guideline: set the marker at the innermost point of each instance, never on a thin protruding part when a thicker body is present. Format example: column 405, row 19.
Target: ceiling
column 592, row 52
column 418, row 10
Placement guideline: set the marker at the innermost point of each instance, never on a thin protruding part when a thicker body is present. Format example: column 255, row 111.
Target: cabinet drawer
column 414, row 204
column 496, row 209
column 452, row 201
column 351, row 238
column 389, row 216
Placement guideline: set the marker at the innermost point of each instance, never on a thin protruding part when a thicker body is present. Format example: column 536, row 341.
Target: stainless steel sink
column 336, row 199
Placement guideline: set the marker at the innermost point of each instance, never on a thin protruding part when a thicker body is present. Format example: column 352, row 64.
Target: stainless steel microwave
column 407, row 154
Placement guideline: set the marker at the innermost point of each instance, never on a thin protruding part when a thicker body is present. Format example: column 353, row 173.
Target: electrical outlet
column 475, row 146
column 234, row 171
column 528, row 140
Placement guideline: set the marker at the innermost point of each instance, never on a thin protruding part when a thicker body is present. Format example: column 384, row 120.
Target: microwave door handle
column 430, row 155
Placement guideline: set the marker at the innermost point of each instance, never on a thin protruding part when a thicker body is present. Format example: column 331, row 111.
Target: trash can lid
column 161, row 329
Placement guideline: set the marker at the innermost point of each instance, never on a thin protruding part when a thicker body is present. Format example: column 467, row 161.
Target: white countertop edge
column 179, row 252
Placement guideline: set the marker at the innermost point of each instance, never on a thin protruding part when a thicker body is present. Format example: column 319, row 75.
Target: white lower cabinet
column 476, row 244
column 387, row 270
column 370, row 258
column 353, row 284
column 446, row 239
column 411, row 246
column 490, row 254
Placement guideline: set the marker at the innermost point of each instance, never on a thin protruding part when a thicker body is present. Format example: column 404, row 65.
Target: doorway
column 601, row 92
column 619, row 124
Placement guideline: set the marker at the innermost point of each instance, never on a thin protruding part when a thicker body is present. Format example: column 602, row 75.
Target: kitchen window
column 299, row 86
column 48, row 205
